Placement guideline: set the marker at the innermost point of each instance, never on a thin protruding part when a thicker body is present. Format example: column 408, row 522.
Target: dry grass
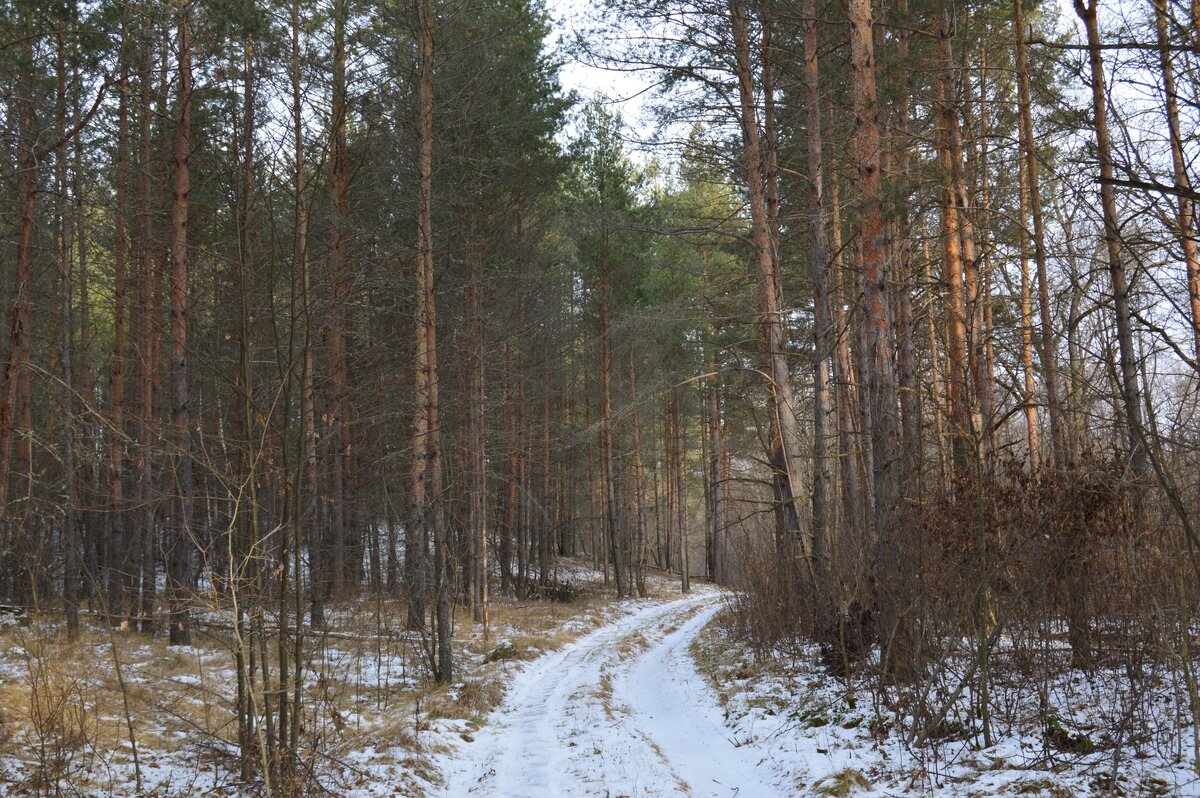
column 481, row 696
column 724, row 663
column 632, row 644
column 1041, row 787
column 65, row 721
column 842, row 784
column 367, row 696
column 474, row 698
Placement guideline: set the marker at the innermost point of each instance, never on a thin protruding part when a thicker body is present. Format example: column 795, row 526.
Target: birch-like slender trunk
column 822, row 494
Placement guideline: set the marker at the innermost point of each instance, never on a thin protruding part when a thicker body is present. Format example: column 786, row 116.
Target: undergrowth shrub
column 62, row 726
column 997, row 592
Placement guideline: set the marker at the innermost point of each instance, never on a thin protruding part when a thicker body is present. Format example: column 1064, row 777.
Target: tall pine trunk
column 962, row 429
column 1185, row 218
column 119, row 557
column 784, row 427
column 1127, row 357
column 179, row 552
column 877, row 371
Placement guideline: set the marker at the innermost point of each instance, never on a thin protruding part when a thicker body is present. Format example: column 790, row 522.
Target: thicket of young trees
column 312, row 299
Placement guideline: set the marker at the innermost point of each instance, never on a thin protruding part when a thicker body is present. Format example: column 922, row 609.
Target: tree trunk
column 544, row 514
column 607, row 453
column 340, row 566
column 712, row 397
column 902, row 281
column 937, row 384
column 685, row 575
column 822, row 495
column 521, row 494
column 119, row 552
column 877, row 372
column 962, row 431
column 417, row 532
column 307, row 522
column 1130, row 393
column 478, row 440
column 150, row 312
column 1028, row 399
column 985, row 355
column 785, row 447
column 182, row 540
column 12, row 408
column 510, row 503
column 1186, row 216
column 72, row 531
column 851, row 469
column 443, row 670
column 770, row 135
column 639, row 490
column 89, row 473
column 1029, row 160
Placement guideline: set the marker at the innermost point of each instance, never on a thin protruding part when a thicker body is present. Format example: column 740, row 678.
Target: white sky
column 628, row 91
column 625, row 90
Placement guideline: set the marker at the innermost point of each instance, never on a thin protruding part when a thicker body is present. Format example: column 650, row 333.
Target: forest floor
column 1106, row 735
column 593, row 697
column 71, row 713
column 664, row 701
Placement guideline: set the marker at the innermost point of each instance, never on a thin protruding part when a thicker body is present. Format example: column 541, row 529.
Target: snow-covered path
column 621, row 711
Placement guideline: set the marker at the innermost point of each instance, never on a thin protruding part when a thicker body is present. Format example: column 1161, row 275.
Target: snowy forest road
column 622, row 711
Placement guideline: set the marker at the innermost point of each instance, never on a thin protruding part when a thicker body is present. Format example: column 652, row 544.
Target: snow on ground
column 675, row 710
column 594, row 698
column 372, row 719
column 621, row 711
column 831, row 740
column 663, row 702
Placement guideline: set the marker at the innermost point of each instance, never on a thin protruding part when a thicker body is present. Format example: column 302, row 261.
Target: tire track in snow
column 621, row 711
column 673, row 706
